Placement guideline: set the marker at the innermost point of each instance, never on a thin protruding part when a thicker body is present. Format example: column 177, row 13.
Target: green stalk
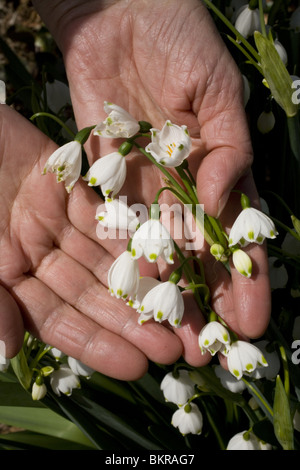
column 285, row 370
column 262, row 18
column 233, row 29
column 265, row 406
column 55, row 118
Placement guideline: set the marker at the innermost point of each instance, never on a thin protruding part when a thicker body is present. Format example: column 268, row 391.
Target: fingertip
column 11, row 325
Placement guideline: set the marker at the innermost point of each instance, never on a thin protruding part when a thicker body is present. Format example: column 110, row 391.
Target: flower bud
column 242, row 262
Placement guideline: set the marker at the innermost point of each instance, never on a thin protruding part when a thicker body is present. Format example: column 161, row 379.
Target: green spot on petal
column 159, row 315
column 119, row 292
column 225, row 337
column 249, row 367
column 93, row 180
column 206, row 342
column 133, row 252
column 153, row 256
column 236, row 372
column 251, row 235
column 142, row 308
column 181, row 147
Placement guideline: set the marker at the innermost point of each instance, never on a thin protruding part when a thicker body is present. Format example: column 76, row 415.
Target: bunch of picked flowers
column 153, row 298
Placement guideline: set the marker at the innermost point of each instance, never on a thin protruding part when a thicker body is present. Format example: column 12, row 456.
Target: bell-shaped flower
column 152, row 240
column 38, row 391
column 247, row 21
column 57, row 354
column 117, row 215
column 251, row 225
column 66, row 162
column 171, row 145
column 79, row 368
column 123, row 276
column 214, row 337
column 281, row 51
column 244, row 357
column 178, row 387
column 2, row 92
column 63, row 380
column 242, row 262
column 163, row 302
column 228, row 381
column 145, row 285
column 188, row 419
column 119, row 123
column 108, row 172
column 265, row 122
column 246, row 440
column 57, row 95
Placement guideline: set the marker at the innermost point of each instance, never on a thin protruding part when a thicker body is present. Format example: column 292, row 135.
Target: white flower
column 265, row 122
column 2, row 92
column 38, row 392
column 295, row 20
column 177, row 387
column 65, row 162
column 281, row 51
column 277, row 273
column 108, row 172
column 123, row 276
column 251, row 225
column 246, row 440
column 247, row 21
column 119, row 123
column 214, row 337
column 242, row 262
column 145, row 285
column 244, row 357
column 57, row 354
column 58, row 95
column 228, row 381
column 171, row 145
column 117, row 215
column 152, row 240
column 270, row 372
column 188, row 419
column 163, row 302
column 79, row 368
column 63, row 380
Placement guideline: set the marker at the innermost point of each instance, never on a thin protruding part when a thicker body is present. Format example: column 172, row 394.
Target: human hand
column 53, row 269
column 165, row 60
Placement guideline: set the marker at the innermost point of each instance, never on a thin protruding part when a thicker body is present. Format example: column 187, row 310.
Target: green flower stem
column 214, row 427
column 246, row 54
column 187, row 183
column 42, row 351
column 285, row 370
column 164, row 189
column 55, row 118
column 262, row 18
column 183, row 195
column 233, row 29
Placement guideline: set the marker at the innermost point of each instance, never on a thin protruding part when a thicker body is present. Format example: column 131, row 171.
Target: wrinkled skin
column 158, row 60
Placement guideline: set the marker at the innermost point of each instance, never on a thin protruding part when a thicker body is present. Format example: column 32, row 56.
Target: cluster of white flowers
column 242, row 357
column 179, row 388
column 64, row 377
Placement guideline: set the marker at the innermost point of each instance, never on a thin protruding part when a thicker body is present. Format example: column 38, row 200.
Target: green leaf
column 21, row 369
column 44, row 421
column 283, row 425
column 276, row 74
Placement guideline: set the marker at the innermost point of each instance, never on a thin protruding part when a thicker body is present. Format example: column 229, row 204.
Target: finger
column 11, row 324
column 78, row 287
column 225, row 136
column 54, row 322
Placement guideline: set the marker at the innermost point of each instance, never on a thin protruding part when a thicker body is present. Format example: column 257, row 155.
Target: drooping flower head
column 108, row 172
column 244, row 357
column 242, row 262
column 177, row 387
column 152, row 240
column 163, row 302
column 65, row 162
column 247, row 440
column 79, row 368
column 251, row 225
column 171, row 145
column 214, row 337
column 188, row 419
column 123, row 276
column 117, row 215
column 63, row 380
column 119, row 123
column 247, row 21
